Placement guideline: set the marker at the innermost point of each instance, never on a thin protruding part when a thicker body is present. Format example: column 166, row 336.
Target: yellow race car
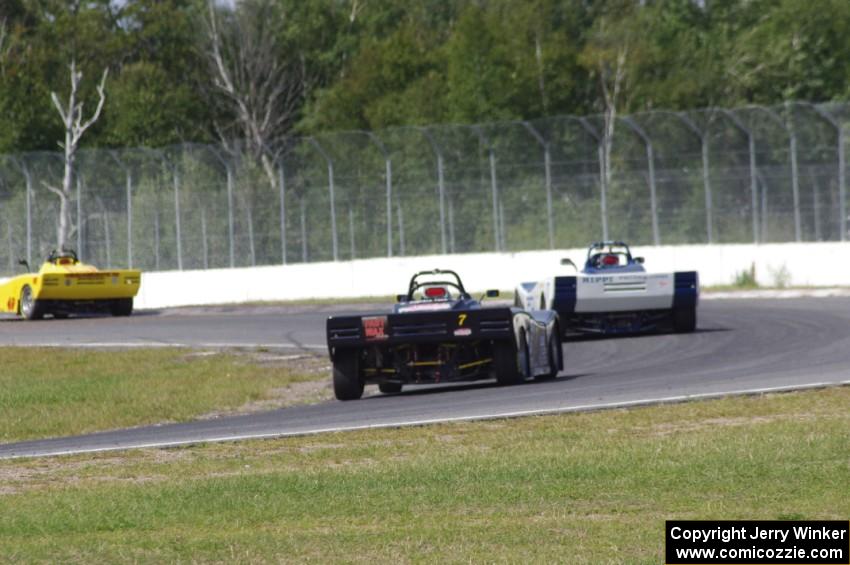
column 64, row 286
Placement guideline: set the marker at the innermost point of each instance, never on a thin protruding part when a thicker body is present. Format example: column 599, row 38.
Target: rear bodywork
column 446, row 340
column 622, row 298
column 64, row 285
column 434, row 347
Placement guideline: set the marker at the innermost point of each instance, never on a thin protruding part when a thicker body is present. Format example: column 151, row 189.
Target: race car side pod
column 686, row 291
column 564, row 299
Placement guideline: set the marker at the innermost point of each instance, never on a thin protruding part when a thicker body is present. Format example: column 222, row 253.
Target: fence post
column 494, row 189
column 441, row 188
column 400, row 227
column 795, row 191
column 389, row 177
column 842, row 184
column 156, row 237
column 105, row 215
column 79, row 216
column 795, row 176
column 231, row 237
column 334, row 238
column 282, row 191
column 751, row 145
column 452, row 247
column 603, row 191
column 388, row 167
column 10, row 246
column 177, row 225
column 839, row 131
column 303, row 210
column 250, row 213
column 352, row 245
column 547, row 170
column 128, row 176
column 28, row 181
column 231, row 228
column 204, row 237
column 706, row 182
column 650, row 161
column 175, row 177
column 603, row 188
column 129, row 220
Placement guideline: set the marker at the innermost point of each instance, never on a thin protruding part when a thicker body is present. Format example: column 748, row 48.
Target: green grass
column 50, row 392
column 579, row 488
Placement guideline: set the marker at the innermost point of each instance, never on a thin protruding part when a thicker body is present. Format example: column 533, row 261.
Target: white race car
column 614, row 294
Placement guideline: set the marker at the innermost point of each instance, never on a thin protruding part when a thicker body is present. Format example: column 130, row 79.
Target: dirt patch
column 671, row 428
column 20, row 477
column 304, row 392
column 312, row 384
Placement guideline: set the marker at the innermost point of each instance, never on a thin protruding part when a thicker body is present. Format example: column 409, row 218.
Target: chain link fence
column 752, row 174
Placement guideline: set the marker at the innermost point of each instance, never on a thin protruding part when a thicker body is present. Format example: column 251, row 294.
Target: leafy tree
column 155, row 99
column 795, row 51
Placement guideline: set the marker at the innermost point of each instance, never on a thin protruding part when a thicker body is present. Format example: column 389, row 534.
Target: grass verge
column 578, row 488
column 51, row 392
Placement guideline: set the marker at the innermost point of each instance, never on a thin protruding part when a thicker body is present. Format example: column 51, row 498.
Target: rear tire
column 510, row 363
column 121, row 307
column 684, row 320
column 347, row 382
column 389, row 388
column 555, row 352
column 31, row 309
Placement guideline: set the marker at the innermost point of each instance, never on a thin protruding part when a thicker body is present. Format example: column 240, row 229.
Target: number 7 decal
column 461, row 318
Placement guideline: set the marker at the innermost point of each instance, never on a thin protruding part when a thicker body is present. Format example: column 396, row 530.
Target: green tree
column 155, row 98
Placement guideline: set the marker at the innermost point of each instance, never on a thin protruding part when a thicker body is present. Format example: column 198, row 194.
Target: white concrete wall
column 800, row 264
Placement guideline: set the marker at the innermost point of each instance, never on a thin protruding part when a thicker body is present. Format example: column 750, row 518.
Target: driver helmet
column 610, row 260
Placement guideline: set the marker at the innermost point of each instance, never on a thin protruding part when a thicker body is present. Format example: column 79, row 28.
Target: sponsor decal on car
column 374, row 327
column 463, row 331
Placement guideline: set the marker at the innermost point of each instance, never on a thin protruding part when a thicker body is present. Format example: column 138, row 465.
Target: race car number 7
column 461, row 318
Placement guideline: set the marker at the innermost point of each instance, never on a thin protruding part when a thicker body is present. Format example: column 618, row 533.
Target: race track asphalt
column 741, row 345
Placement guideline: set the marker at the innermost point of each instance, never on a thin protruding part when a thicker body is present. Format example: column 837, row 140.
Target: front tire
column 31, row 309
column 121, row 307
column 347, row 382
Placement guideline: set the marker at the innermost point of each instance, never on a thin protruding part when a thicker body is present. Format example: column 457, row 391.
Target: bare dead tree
column 611, row 77
column 261, row 91
column 356, row 7
column 5, row 43
column 75, row 127
column 541, row 80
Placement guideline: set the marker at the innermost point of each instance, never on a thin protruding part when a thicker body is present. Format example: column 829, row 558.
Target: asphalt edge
column 679, row 399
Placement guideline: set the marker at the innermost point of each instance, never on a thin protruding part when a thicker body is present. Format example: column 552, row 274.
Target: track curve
column 741, row 345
